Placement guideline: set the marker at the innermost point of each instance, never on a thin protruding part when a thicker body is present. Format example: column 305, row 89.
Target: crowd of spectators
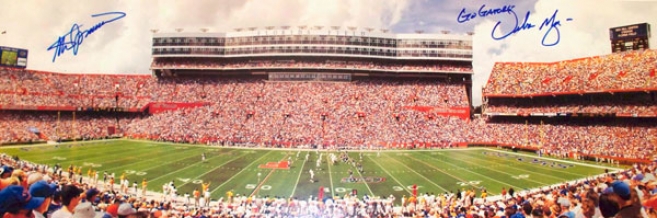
column 343, row 128
column 33, row 88
column 372, row 113
column 621, row 139
column 364, row 113
column 638, row 107
column 302, row 112
column 619, row 71
column 26, row 126
column 33, row 190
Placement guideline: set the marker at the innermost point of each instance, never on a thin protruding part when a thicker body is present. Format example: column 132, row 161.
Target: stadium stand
column 25, row 89
column 40, row 126
column 301, row 112
column 599, row 106
column 388, row 113
column 618, row 72
column 628, row 104
column 372, row 111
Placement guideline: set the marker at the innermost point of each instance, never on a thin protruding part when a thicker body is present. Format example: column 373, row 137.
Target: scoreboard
column 13, row 57
column 629, row 38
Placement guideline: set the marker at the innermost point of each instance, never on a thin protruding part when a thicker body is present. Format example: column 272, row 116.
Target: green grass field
column 390, row 172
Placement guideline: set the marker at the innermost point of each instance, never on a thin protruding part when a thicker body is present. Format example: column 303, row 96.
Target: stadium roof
column 281, row 32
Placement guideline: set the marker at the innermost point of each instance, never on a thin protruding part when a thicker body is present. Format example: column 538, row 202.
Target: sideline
column 553, row 159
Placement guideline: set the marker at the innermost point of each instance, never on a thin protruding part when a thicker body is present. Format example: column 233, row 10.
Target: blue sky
column 124, row 46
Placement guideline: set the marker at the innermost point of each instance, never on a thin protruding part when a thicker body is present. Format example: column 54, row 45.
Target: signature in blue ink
column 76, row 36
column 551, row 23
column 483, row 12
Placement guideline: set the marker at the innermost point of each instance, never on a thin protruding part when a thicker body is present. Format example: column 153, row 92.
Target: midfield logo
column 369, row 179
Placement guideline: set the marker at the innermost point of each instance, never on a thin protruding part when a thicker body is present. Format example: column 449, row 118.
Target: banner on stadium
column 36, row 108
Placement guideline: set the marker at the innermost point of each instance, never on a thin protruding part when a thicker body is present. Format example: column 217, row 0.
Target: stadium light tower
column 238, row 29
column 205, row 30
column 419, row 31
column 445, row 32
column 179, row 29
column 385, row 30
column 470, row 33
column 369, row 29
column 155, row 30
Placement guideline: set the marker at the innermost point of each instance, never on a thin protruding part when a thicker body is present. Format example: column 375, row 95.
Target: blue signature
column 550, row 24
column 76, row 36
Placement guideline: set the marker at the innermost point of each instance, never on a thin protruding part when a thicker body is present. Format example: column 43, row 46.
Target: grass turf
column 387, row 172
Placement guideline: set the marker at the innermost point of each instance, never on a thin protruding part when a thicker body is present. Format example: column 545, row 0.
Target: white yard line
column 182, row 168
column 366, row 185
column 429, row 180
column 232, row 177
column 329, row 163
column 552, row 159
column 533, row 166
column 209, row 171
column 298, row 178
column 152, row 167
column 391, row 176
column 464, row 169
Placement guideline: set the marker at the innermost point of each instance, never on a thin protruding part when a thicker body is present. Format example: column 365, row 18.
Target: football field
column 261, row 171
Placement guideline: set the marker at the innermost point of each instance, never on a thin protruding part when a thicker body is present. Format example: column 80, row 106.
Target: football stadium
column 325, row 123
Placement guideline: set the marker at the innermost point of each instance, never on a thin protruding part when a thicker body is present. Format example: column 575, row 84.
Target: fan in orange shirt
column 197, row 197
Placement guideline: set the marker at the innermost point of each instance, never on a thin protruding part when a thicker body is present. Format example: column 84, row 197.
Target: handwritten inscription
column 483, row 12
column 550, row 25
column 74, row 38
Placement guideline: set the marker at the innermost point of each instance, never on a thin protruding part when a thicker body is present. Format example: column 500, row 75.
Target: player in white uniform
column 312, row 176
column 126, row 185
column 165, row 191
column 174, row 195
column 186, row 200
